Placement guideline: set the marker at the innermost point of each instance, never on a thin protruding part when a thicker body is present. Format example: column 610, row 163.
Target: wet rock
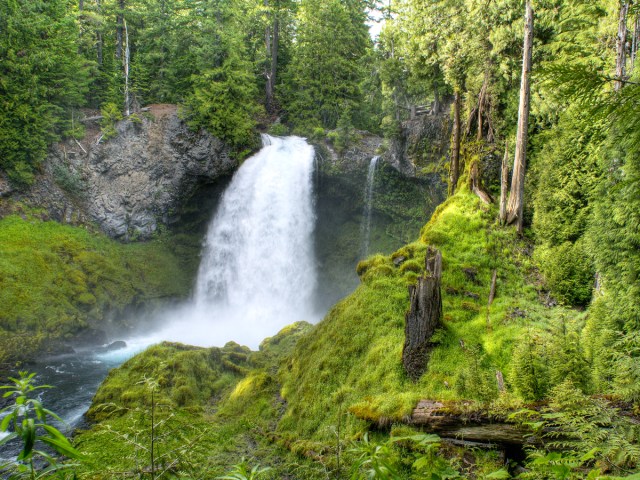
column 117, row 345
column 397, row 261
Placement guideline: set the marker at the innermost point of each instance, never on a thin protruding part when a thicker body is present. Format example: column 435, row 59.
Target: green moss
column 55, row 279
column 357, row 348
column 209, row 415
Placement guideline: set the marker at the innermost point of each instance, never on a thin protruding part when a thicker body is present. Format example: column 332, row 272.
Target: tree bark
column 127, row 99
column 454, row 169
column 272, row 39
column 99, row 41
column 424, row 316
column 504, row 185
column 476, row 184
column 119, row 29
column 481, row 101
column 621, row 46
column 634, row 42
column 515, row 205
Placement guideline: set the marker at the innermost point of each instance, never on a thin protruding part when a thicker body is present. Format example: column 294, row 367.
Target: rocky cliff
column 133, row 182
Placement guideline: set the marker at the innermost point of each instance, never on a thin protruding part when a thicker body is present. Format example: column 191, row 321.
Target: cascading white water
column 258, row 269
column 365, row 227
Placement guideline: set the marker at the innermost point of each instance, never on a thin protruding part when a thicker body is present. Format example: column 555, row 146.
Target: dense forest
column 539, row 327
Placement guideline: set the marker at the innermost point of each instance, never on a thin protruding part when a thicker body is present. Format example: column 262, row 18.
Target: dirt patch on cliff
column 162, row 110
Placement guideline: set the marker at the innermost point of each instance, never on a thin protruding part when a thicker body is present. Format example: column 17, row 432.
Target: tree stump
column 424, row 316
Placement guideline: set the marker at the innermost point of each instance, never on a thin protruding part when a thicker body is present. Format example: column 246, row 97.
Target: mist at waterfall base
column 258, row 268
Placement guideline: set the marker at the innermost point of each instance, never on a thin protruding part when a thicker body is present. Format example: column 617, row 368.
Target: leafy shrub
column 111, row 115
column 568, row 272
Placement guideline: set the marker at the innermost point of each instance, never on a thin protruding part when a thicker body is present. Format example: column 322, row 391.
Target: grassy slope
column 345, row 371
column 352, row 360
column 216, row 406
column 56, row 279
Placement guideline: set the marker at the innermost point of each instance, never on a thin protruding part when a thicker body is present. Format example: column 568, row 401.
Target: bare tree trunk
column 436, row 98
column 424, row 316
column 272, row 39
column 621, row 45
column 127, row 100
column 274, row 57
column 99, row 41
column 634, row 42
column 454, row 169
column 515, row 205
column 476, row 184
column 504, row 185
column 81, row 5
column 119, row 29
column 481, row 101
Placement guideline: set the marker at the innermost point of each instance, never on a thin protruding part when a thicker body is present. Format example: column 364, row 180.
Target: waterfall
column 258, row 267
column 365, row 227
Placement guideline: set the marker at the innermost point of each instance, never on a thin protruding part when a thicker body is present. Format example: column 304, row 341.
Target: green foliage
column 373, row 461
column 27, row 420
column 43, row 80
column 243, row 471
column 581, row 433
column 111, row 114
column 224, row 101
column 323, row 78
column 54, row 279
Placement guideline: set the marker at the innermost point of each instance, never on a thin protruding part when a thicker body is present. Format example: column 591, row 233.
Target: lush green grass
column 352, row 360
column 284, row 405
column 215, row 405
column 56, row 280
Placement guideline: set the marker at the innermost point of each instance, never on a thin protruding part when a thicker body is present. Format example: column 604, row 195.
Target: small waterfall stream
column 365, row 228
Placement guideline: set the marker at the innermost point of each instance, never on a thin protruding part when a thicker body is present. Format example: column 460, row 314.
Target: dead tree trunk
column 634, row 42
column 424, row 316
column 515, row 205
column 482, row 98
column 504, row 185
column 476, row 184
column 621, row 46
column 119, row 29
column 272, row 39
column 127, row 52
column 454, row 169
column 492, row 295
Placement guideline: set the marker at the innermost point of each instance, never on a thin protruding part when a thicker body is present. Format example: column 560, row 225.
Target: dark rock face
column 423, row 140
column 133, row 182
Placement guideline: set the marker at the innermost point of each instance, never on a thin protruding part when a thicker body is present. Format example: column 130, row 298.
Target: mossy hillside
column 216, row 406
column 351, row 362
column 56, row 280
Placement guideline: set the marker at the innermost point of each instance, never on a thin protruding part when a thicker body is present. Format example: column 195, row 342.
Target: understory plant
column 26, row 420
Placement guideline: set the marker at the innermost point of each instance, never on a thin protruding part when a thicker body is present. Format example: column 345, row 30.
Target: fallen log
column 456, row 421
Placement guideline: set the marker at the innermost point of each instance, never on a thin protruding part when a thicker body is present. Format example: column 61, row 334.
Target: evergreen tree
column 325, row 73
column 42, row 81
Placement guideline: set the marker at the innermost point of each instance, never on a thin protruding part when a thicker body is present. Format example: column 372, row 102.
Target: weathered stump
column 476, row 184
column 424, row 316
